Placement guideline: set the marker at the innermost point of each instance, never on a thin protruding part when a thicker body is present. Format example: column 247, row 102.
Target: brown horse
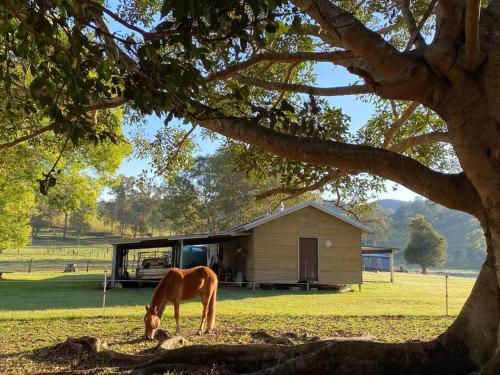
column 179, row 285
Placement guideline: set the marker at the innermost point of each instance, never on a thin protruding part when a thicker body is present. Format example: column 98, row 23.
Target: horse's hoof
column 199, row 333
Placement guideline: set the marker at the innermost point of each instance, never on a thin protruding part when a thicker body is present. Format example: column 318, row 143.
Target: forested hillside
column 463, row 233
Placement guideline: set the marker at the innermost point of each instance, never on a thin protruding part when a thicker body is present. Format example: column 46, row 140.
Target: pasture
column 54, row 258
column 412, row 308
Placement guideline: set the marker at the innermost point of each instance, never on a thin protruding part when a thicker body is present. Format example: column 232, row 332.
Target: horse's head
column 151, row 322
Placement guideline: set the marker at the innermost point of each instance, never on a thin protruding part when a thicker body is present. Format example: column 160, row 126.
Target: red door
column 308, row 259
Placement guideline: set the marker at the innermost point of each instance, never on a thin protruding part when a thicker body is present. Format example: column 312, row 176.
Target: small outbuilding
column 307, row 242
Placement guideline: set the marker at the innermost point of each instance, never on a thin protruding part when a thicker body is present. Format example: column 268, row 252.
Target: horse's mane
column 156, row 298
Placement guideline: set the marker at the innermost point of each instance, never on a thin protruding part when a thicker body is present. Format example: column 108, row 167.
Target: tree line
column 209, row 197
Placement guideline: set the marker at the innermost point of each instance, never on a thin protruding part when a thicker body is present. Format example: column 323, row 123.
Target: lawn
column 40, row 309
column 55, row 258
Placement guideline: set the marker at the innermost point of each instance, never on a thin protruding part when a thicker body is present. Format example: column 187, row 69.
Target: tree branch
column 114, row 16
column 393, row 108
column 293, row 192
column 316, row 31
column 441, row 53
column 178, row 147
column 446, row 189
column 473, row 56
column 420, row 140
column 305, row 89
column 113, row 48
column 287, row 79
column 115, row 102
column 355, row 37
column 416, row 36
column 106, row 104
column 275, row 57
column 27, row 137
column 399, row 123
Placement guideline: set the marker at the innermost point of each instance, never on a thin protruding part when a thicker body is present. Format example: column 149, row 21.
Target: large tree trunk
column 477, row 325
column 424, row 269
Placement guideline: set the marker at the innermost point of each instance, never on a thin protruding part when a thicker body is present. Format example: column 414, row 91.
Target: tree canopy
column 251, row 60
column 209, row 197
column 425, row 247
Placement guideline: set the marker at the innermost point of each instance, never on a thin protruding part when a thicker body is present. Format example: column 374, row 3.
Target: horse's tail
column 211, row 307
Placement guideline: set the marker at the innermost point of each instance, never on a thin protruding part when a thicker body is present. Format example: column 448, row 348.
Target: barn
column 305, row 243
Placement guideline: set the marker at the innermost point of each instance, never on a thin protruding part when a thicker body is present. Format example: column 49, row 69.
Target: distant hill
column 390, row 205
column 453, row 225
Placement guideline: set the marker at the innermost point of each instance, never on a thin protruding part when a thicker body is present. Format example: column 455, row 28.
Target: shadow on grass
column 80, row 290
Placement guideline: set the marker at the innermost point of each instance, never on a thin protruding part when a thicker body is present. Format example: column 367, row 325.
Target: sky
column 327, row 75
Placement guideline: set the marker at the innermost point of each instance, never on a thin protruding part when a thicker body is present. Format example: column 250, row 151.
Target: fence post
column 104, row 292
column 446, row 283
column 88, row 261
column 29, row 267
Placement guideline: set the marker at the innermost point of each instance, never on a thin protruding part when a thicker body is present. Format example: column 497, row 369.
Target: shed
column 376, row 262
column 307, row 242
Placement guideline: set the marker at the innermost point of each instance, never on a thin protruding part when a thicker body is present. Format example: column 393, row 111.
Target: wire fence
column 55, row 259
column 83, row 291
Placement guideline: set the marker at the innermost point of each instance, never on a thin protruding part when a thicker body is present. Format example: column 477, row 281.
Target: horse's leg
column 176, row 315
column 211, row 309
column 204, row 301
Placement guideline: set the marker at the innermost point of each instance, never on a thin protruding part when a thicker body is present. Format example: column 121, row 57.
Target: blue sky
column 328, row 75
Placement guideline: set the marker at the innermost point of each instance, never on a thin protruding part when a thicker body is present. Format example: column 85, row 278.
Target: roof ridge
column 267, row 218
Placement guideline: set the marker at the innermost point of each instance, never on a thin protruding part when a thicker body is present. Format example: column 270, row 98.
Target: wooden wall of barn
column 275, row 248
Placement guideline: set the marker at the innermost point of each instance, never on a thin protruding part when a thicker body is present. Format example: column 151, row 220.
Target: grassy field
column 38, row 310
column 55, row 258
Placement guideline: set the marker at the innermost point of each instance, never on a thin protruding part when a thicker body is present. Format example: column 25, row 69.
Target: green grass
column 40, row 309
column 55, row 258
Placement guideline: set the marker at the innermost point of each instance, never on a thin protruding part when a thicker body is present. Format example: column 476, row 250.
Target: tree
column 453, row 225
column 224, row 65
column 214, row 195
column 426, row 247
column 475, row 243
column 135, row 204
column 379, row 223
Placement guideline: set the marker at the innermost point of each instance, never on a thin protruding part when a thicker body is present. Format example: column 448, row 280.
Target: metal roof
column 194, row 239
column 240, row 230
column 265, row 219
column 366, row 250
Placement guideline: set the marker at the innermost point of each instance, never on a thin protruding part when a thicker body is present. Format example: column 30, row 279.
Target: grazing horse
column 179, row 285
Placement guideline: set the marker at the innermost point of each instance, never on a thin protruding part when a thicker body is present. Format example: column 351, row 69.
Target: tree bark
column 424, row 269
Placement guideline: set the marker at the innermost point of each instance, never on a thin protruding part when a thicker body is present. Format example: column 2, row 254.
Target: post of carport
column 113, row 267
column 180, row 255
column 391, row 265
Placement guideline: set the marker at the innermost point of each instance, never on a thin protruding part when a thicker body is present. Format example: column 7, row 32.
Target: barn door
column 308, row 259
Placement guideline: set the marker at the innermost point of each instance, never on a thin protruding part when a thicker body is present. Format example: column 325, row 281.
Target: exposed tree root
column 141, row 359
column 333, row 356
column 269, row 339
